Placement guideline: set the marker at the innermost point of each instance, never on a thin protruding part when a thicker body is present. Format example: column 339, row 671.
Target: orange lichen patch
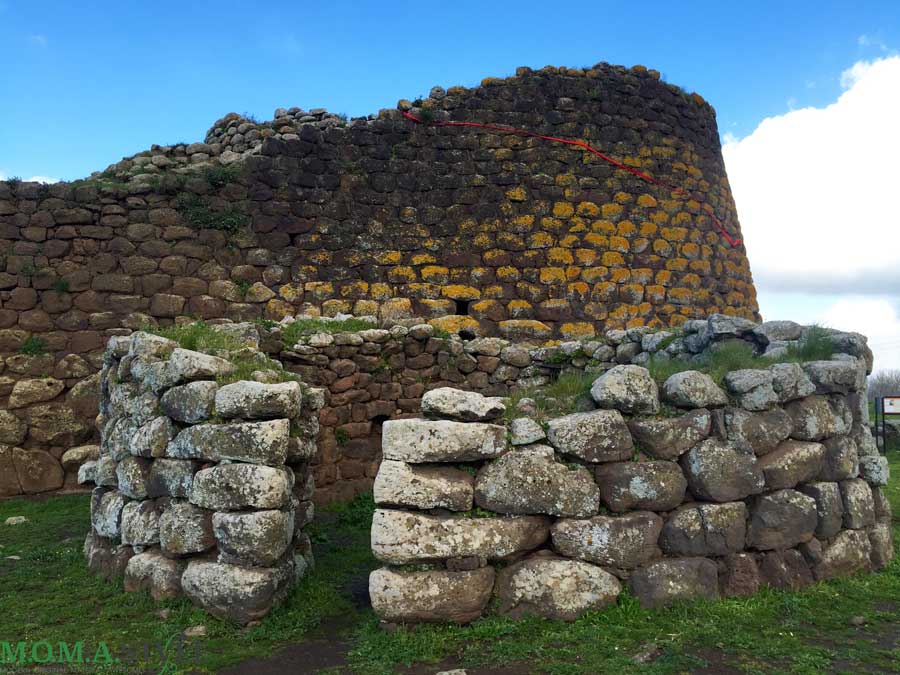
column 677, row 264
column 573, row 272
column 291, row 292
column 647, row 201
column 435, row 274
column 493, row 291
column 380, row 291
column 531, row 257
column 560, row 256
column 674, row 233
column 659, row 217
column 585, row 256
column 648, row 229
column 454, row 323
column 401, row 275
column 690, row 250
column 422, row 259
column 552, row 275
column 655, row 294
column 335, row 307
column 494, row 255
column 575, row 330
column 598, row 240
column 695, row 172
column 524, row 328
column 604, row 226
column 612, row 259
column 321, row 257
column 354, row 289
column 623, row 312
column 388, row 257
column 587, row 209
column 320, row 290
column 622, row 198
column 540, row 240
column 551, row 224
column 510, row 241
column 483, row 240
column 520, row 309
column 578, row 290
column 488, row 309
column 396, row 308
column 531, row 291
column 460, row 292
column 691, row 280
column 671, row 206
column 594, row 274
column 661, row 151
column 631, row 293
column 680, row 296
column 626, row 228
column 620, row 275
column 522, row 223
column 563, row 210
column 278, row 309
column 619, row 244
column 566, row 179
column 662, row 247
column 517, row 194
column 507, row 273
column 610, row 210
column 431, row 308
column 603, row 291
column 365, row 308
column 424, row 290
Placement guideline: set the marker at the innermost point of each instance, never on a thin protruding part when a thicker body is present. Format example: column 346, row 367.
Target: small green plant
column 198, row 213
column 560, row 397
column 198, row 336
column 219, row 176
column 426, row 115
column 243, row 286
column 33, row 346
column 341, row 436
column 248, row 361
column 13, row 182
column 816, row 345
column 477, row 512
column 442, row 333
column 295, row 330
column 61, row 285
column 268, row 324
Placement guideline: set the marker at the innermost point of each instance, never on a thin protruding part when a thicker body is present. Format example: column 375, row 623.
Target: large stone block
column 155, row 573
column 859, row 505
column 625, row 541
column 655, row 486
column 236, row 593
column 140, row 523
column 627, row 388
column 666, row 581
column 187, row 365
column 753, row 389
column 671, row 437
column 759, row 432
column 417, row 441
column 829, row 507
column 231, row 487
column 781, row 519
column 256, row 442
column 738, row 576
column 185, row 529
column 790, row 382
column 133, row 477
column 597, row 436
column 256, row 538
column 718, row 471
column 255, row 400
column 705, row 530
column 841, row 461
column 881, row 540
column 849, row 552
column 430, row 596
column 466, row 406
column 836, row 377
column 190, row 403
column 529, row 480
column 791, row 463
column 106, row 557
column 785, row 569
column 423, row 487
column 693, row 389
column 400, row 537
column 152, row 439
column 555, row 588
column 875, row 470
column 171, row 477
column 813, row 418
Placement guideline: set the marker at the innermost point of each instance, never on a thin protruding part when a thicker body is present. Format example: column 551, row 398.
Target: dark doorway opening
column 462, row 307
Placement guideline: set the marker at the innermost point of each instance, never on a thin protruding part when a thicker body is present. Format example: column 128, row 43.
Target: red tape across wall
column 606, row 158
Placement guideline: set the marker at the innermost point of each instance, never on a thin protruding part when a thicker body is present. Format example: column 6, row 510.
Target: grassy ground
column 48, row 595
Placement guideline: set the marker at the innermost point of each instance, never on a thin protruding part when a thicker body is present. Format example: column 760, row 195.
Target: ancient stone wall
column 472, row 229
column 682, row 491
column 203, row 485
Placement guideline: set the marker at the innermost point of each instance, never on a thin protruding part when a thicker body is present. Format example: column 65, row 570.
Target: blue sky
column 85, row 84
column 806, row 94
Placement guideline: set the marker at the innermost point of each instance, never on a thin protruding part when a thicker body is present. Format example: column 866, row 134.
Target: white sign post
column 890, row 405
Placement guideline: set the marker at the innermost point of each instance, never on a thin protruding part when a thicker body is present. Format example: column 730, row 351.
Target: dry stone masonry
column 467, row 229
column 697, row 488
column 203, row 484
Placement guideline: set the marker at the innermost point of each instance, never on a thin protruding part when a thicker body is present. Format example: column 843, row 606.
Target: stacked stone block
column 687, row 490
column 203, row 486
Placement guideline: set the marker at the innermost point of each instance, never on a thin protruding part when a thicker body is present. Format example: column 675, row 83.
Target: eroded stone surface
column 254, row 538
column 466, row 406
column 655, row 486
column 155, row 573
column 781, row 519
column 257, row 442
column 669, row 438
column 693, row 389
column 417, row 441
column 229, row 487
column 597, row 436
column 719, row 472
column 848, row 553
column 185, row 528
column 430, row 596
column 829, row 507
column 791, row 463
column 255, row 400
column 705, row 530
column 627, row 388
column 625, row 541
column 666, row 581
column 423, row 487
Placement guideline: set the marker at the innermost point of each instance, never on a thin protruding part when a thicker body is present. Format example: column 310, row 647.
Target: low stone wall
column 203, row 486
column 680, row 491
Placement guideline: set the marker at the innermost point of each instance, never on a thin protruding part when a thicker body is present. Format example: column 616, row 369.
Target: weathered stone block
column 781, row 519
column 187, row 365
column 185, row 529
column 705, row 530
column 255, row 538
column 597, row 436
column 738, row 576
column 524, row 431
column 151, row 439
column 813, row 418
column 841, row 460
column 666, row 581
column 875, row 470
column 849, row 552
column 236, row 593
column 529, row 480
column 255, row 400
column 693, row 389
column 430, row 596
column 555, row 588
column 859, row 506
column 829, row 507
column 625, row 541
column 171, row 477
column 669, row 438
column 105, row 557
column 400, row 537
column 758, row 432
column 881, row 540
column 190, row 403
column 719, row 472
column 140, row 523
column 785, row 569
column 655, row 486
column 466, row 406
column 417, row 441
column 791, row 463
column 231, row 487
column 423, row 487
column 627, row 388
column 256, row 442
column 133, row 477
column 155, row 573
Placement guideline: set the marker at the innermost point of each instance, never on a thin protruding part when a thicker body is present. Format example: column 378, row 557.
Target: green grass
column 200, row 215
column 559, row 397
column 198, row 336
column 33, row 346
column 53, row 597
column 291, row 333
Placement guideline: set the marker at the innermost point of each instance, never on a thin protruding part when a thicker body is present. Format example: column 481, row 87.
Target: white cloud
column 4, row 175
column 38, row 40
column 815, row 188
column 815, row 192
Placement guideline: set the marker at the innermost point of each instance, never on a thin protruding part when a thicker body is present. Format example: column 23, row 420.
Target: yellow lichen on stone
column 380, row 291
column 483, row 240
column 626, row 228
column 365, row 308
column 611, row 211
column 507, row 273
column 577, row 290
column 612, row 259
column 588, row 209
column 277, row 309
column 603, row 226
column 647, row 201
column 486, row 309
column 600, row 241
column 619, row 244
column 662, row 247
column 335, row 307
column 690, row 250
column 523, row 223
column 603, row 291
column 565, row 179
column 493, row 291
column 575, row 330
column 517, row 194
column 388, row 257
column 418, row 290
column 594, row 274
column 585, row 256
column 422, row 259
column 622, row 198
column 679, row 296
column 655, row 294
column 291, row 292
column 563, row 210
column 454, row 323
column 435, row 274
column 674, row 233
column 648, row 229
column 524, row 328
column 460, row 292
column 552, row 275
column 540, row 240
column 677, row 264
column 520, row 309
column 401, row 275
column 620, row 275
column 659, row 217
column 560, row 256
column 354, row 289
column 319, row 289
